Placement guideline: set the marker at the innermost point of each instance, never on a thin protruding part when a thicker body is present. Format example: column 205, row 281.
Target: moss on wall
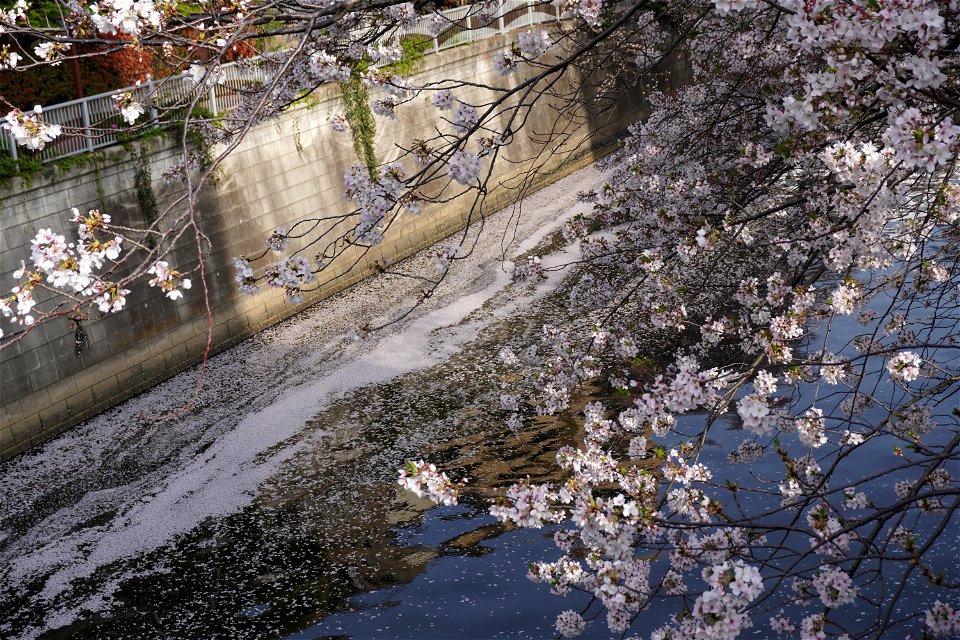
column 356, row 104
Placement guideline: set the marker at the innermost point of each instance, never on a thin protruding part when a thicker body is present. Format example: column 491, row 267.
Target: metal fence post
column 436, row 44
column 500, row 24
column 212, row 97
column 152, row 109
column 529, row 14
column 85, row 110
column 13, row 149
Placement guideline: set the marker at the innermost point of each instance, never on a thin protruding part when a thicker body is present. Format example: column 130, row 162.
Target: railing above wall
column 103, row 126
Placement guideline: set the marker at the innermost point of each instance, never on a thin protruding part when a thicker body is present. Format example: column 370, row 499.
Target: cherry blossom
column 905, row 366
column 110, row 298
column 169, row 280
column 131, row 17
column 781, row 624
column 29, row 130
column 921, row 142
column 570, row 624
column 465, row 167
column 465, row 116
column 51, row 52
column 278, row 240
column 9, row 59
column 129, row 108
column 810, row 427
column 505, row 62
column 835, row 587
column 443, row 99
column 590, row 11
column 811, row 627
column 423, row 479
column 244, row 275
column 339, row 123
column 533, row 45
column 201, row 77
column 943, row 620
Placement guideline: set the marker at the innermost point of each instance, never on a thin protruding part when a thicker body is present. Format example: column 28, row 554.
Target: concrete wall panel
column 45, row 388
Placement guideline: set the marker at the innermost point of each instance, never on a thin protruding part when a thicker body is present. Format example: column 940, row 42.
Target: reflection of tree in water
column 325, row 528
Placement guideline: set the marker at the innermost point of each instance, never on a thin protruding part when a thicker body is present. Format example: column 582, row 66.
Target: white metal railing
column 94, row 122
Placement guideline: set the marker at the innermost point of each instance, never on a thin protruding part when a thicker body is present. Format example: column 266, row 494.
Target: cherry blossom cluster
column 375, row 198
column 169, row 280
column 718, row 612
column 464, row 117
column 464, row 167
column 80, row 271
column 16, row 14
column 533, row 45
column 202, row 77
column 130, row 17
column 532, row 269
column 29, row 129
column 530, row 47
column 130, row 109
column 339, row 123
column 905, row 366
column 570, row 624
column 835, row 587
column 9, row 59
column 773, row 251
column 423, row 479
column 278, row 239
column 836, row 227
column 943, row 620
column 920, row 142
column 244, row 277
column 291, row 274
column 506, row 62
column 443, row 99
column 51, row 52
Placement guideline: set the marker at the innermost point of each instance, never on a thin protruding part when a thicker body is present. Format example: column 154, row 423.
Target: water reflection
column 258, row 515
column 333, row 524
column 331, row 547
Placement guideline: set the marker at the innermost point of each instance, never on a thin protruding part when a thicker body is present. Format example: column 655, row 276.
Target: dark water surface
column 272, row 509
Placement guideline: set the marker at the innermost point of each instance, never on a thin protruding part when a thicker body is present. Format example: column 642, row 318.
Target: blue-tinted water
column 305, row 533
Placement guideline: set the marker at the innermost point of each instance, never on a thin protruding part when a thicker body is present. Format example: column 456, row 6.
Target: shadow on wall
column 283, row 172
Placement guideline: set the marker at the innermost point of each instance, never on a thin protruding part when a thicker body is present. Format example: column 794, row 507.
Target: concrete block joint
column 153, row 339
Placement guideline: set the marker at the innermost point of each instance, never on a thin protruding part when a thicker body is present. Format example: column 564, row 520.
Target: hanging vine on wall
column 205, row 153
column 301, row 151
column 79, row 334
column 98, row 173
column 204, row 148
column 146, row 197
column 356, row 97
column 356, row 103
column 414, row 48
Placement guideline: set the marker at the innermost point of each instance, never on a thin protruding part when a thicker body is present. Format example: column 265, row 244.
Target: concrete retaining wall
column 284, row 171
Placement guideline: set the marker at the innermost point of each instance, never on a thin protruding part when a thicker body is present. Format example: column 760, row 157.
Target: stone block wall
column 287, row 170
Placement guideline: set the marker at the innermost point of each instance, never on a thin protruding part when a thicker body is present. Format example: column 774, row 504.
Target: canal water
column 271, row 509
